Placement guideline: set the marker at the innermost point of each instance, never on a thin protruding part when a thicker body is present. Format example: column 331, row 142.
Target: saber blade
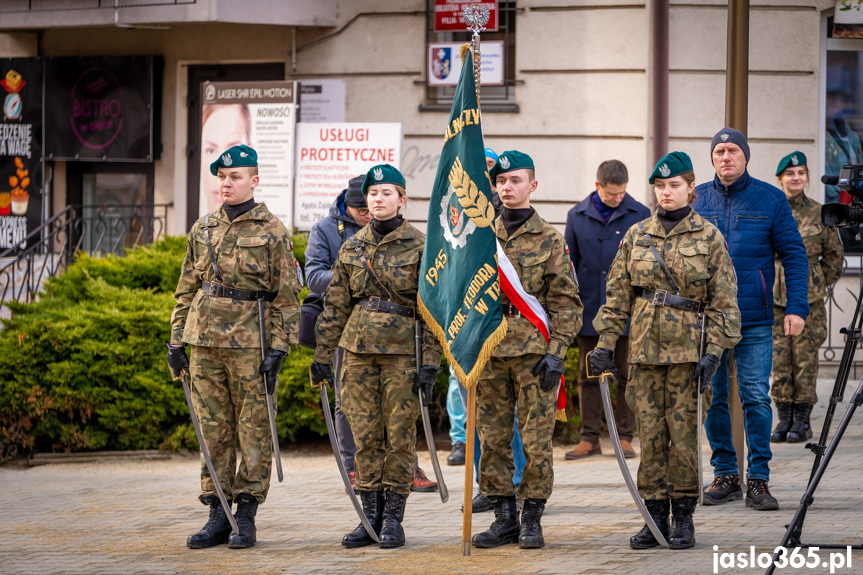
column 197, row 425
column 331, row 431
column 271, row 409
column 621, row 461
column 427, row 428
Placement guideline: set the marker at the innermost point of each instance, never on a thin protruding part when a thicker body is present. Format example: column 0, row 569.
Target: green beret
column 383, row 174
column 510, row 161
column 235, row 157
column 792, row 160
column 671, row 165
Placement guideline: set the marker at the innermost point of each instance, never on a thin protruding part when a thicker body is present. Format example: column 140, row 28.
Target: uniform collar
column 402, row 232
column 688, row 224
column 258, row 213
column 532, row 226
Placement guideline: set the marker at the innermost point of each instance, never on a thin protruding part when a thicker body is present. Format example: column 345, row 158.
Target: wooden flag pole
column 470, row 433
column 476, row 18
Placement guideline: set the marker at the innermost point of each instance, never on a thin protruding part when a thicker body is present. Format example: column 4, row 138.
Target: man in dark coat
column 594, row 229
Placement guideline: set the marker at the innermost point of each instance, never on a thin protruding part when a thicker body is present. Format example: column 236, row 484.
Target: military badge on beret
column 664, row 171
column 504, row 162
column 236, row 156
column 226, row 160
column 383, row 174
column 794, row 159
column 671, row 165
column 511, row 161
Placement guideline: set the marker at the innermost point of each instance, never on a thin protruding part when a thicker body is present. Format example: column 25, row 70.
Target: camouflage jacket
column 540, row 258
column 252, row 253
column 697, row 258
column 344, row 323
column 823, row 249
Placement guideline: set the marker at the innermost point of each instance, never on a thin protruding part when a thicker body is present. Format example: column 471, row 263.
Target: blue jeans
column 518, row 458
column 753, row 357
column 456, row 411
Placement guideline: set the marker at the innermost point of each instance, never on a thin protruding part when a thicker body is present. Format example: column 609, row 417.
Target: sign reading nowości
column 330, row 154
column 459, row 284
column 258, row 114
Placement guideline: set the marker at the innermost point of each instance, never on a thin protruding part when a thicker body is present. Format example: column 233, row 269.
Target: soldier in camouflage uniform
column 795, row 358
column 371, row 313
column 664, row 338
column 524, row 372
column 216, row 313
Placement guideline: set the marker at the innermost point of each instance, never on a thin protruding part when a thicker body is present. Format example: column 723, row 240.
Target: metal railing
column 95, row 229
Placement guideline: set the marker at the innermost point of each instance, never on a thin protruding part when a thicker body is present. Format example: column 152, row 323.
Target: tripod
column 824, row 452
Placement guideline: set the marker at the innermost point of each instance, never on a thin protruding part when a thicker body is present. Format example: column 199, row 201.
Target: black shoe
column 217, row 528
column 682, row 528
column 456, row 456
column 758, row 496
column 724, row 488
column 373, row 507
column 247, row 507
column 392, row 533
column 530, row 536
column 481, row 504
column 505, row 527
column 785, row 411
column 800, row 430
column 658, row 510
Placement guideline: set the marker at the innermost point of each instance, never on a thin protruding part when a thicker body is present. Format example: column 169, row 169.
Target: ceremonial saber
column 271, row 410
column 700, row 431
column 331, row 431
column 184, row 377
column 470, row 430
column 427, row 427
column 621, row 461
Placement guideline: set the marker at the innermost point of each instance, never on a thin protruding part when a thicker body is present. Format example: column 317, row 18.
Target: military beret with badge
column 383, row 174
column 510, row 161
column 671, row 165
column 235, row 157
column 792, row 160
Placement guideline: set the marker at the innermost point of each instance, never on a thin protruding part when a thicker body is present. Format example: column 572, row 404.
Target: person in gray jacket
column 347, row 215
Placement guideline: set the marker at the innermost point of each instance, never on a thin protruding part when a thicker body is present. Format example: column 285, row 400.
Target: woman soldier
column 671, row 269
column 370, row 312
column 795, row 358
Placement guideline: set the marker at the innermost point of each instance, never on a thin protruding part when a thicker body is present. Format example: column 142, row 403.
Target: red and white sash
column 529, row 307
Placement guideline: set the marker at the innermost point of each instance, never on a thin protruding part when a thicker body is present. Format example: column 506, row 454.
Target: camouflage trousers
column 664, row 399
column 505, row 384
column 795, row 358
column 377, row 398
column 228, row 395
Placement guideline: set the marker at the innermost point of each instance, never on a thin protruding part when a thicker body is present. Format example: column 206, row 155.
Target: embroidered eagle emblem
column 794, row 160
column 664, row 171
column 504, row 162
column 226, row 160
column 379, row 174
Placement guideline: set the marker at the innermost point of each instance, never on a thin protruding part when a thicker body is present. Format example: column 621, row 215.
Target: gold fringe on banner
column 560, row 415
column 466, row 379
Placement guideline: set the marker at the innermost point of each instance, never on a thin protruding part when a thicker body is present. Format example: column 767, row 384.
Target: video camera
column 850, row 179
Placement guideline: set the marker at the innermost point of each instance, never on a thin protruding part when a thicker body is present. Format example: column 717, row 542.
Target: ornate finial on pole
column 476, row 19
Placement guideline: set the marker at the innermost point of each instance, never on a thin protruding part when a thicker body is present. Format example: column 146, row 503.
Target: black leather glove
column 549, row 368
column 270, row 368
column 177, row 359
column 705, row 369
column 426, row 377
column 321, row 372
column 600, row 360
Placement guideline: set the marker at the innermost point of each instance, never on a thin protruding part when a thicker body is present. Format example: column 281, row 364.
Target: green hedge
column 84, row 367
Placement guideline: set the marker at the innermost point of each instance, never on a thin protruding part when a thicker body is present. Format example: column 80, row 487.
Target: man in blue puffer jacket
column 757, row 223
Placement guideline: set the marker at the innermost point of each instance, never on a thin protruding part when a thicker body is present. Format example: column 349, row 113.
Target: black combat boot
column 247, row 507
column 800, row 429
column 658, row 510
column 505, row 527
column 781, row 432
column 216, row 530
column 373, row 507
column 682, row 528
column 531, row 531
column 392, row 534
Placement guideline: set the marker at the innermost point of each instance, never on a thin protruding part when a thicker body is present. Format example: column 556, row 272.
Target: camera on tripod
column 850, row 179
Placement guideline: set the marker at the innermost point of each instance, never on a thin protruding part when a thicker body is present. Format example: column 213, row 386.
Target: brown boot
column 584, row 449
column 626, row 448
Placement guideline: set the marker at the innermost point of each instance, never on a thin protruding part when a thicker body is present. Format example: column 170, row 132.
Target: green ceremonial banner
column 459, row 288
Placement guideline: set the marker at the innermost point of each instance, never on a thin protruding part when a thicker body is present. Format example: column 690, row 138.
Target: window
column 500, row 97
